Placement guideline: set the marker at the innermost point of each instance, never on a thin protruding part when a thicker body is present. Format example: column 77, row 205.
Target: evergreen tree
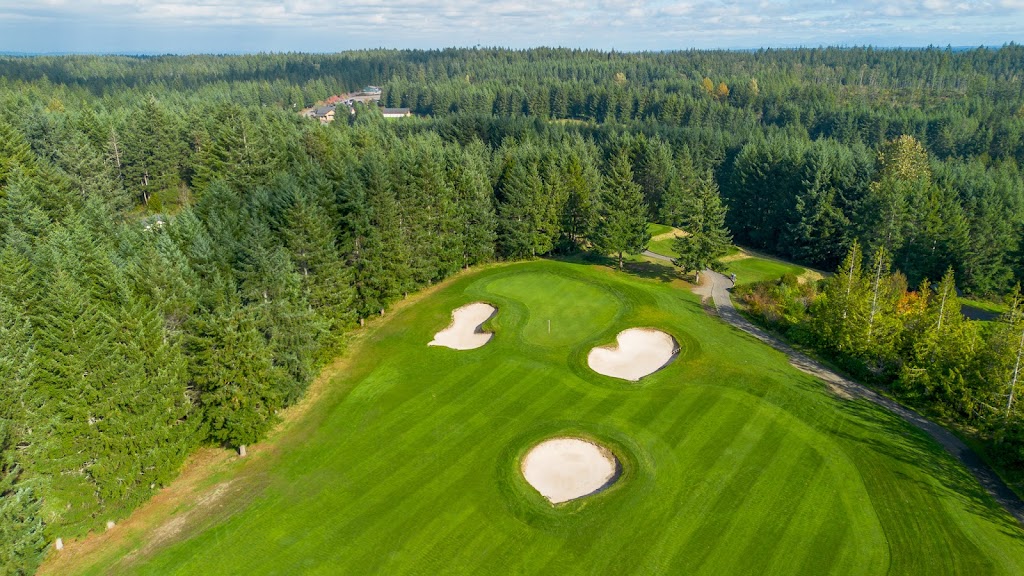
column 943, row 351
column 271, row 293
column 706, row 238
column 1002, row 365
column 232, row 371
column 904, row 178
column 583, row 195
column 475, row 201
column 678, row 195
column 22, row 539
column 622, row 225
column 843, row 308
column 523, row 231
column 88, row 170
column 151, row 157
column 311, row 243
column 237, row 151
column 15, row 153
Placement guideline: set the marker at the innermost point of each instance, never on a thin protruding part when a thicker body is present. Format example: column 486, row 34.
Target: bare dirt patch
column 464, row 333
column 564, row 469
column 675, row 233
column 637, row 353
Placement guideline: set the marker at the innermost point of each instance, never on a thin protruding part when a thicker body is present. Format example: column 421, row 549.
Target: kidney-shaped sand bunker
column 564, row 469
column 639, row 352
column 464, row 332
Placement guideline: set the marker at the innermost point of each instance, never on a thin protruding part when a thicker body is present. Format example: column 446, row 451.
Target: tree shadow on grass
column 652, row 271
column 642, row 269
column 916, row 448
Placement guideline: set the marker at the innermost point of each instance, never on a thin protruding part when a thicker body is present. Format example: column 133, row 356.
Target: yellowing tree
column 708, row 86
column 904, row 159
column 722, row 92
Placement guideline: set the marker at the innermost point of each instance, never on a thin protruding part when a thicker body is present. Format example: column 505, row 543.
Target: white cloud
column 630, row 24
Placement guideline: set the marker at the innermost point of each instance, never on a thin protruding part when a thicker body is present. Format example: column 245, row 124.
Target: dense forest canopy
column 180, row 251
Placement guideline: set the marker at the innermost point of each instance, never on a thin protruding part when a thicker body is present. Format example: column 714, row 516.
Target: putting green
column 732, row 461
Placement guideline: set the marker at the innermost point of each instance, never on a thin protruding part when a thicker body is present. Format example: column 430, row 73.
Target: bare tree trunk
column 1016, row 374
column 874, row 297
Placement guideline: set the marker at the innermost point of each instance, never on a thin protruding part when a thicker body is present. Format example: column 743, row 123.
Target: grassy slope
column 753, row 268
column 733, row 461
column 756, row 269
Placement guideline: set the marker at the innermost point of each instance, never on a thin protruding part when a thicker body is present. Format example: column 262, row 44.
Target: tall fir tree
column 622, row 225
column 706, row 239
column 943, row 352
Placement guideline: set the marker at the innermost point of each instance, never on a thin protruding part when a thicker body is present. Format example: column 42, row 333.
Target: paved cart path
column 718, row 287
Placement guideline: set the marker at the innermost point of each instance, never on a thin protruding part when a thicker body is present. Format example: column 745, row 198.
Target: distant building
column 371, row 90
column 324, row 114
column 395, row 112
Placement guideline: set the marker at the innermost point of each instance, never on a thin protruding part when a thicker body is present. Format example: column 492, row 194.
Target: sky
column 236, row 26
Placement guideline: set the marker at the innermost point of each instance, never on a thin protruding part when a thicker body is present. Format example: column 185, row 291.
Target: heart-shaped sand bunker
column 564, row 469
column 464, row 332
column 639, row 352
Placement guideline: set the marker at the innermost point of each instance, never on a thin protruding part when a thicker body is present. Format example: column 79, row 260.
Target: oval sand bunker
column 564, row 469
column 639, row 352
column 464, row 332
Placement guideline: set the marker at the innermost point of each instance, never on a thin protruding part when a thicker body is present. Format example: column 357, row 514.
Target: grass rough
column 732, row 461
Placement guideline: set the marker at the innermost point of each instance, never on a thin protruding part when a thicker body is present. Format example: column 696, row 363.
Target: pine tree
column 88, row 170
column 707, row 238
column 842, row 310
column 151, row 155
column 475, row 201
column 1002, row 365
column 520, row 209
column 583, row 195
column 622, row 225
column 678, row 192
column 371, row 238
column 326, row 280
column 15, row 153
column 22, row 538
column 232, row 371
column 237, row 151
column 943, row 352
column 271, row 293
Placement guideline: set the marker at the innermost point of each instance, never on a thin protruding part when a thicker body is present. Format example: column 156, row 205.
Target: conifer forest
column 181, row 251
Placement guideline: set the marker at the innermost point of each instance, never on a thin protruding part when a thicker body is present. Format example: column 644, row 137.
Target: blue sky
column 188, row 26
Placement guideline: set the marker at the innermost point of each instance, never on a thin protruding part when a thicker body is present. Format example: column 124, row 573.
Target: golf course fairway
column 732, row 462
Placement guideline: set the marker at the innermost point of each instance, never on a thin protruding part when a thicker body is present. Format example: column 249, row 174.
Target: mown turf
column 757, row 269
column 664, row 247
column 733, row 462
column 658, row 229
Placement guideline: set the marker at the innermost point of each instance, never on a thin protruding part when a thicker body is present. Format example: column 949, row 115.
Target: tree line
column 180, row 252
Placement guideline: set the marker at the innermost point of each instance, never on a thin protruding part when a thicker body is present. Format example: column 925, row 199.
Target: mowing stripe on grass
column 734, row 462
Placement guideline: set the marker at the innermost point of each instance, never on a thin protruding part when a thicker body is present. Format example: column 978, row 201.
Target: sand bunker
column 464, row 332
column 564, row 469
column 640, row 351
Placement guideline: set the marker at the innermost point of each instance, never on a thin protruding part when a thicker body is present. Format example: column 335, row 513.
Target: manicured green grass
column 733, row 462
column 658, row 229
column 756, row 269
column 985, row 305
column 663, row 247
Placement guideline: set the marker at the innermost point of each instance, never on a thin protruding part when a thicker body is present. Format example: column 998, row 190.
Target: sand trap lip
column 564, row 469
column 464, row 332
column 637, row 353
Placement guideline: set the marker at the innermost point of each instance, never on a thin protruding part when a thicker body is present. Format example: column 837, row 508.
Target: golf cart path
column 844, row 387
